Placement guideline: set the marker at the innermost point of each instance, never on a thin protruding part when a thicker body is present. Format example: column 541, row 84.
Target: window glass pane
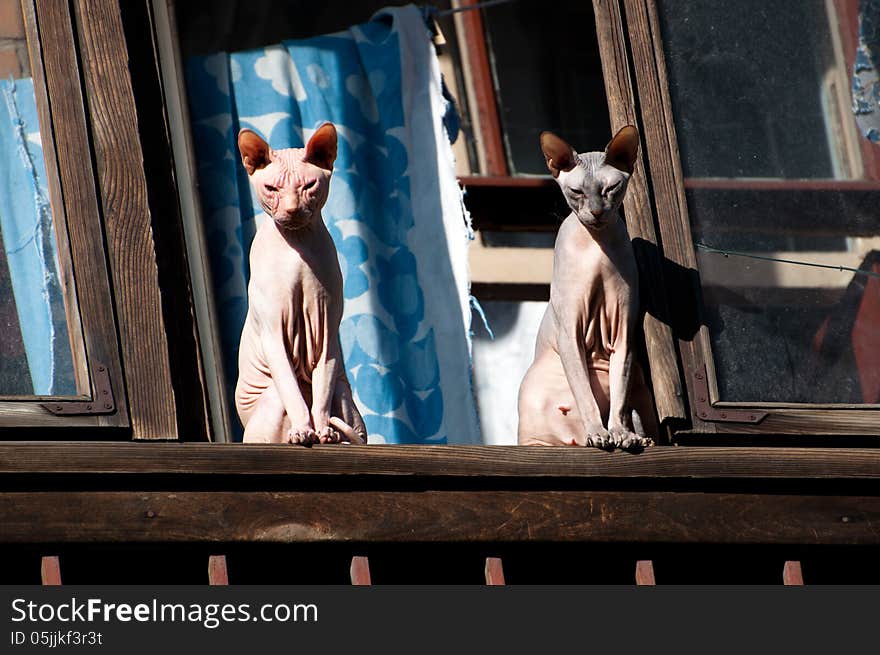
column 776, row 166
column 35, row 349
column 545, row 58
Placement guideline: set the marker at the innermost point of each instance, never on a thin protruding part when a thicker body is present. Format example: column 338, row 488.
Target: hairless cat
column 584, row 376
column 292, row 387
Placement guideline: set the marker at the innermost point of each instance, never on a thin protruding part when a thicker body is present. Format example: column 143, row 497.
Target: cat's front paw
column 302, row 436
column 624, row 439
column 328, row 435
column 599, row 437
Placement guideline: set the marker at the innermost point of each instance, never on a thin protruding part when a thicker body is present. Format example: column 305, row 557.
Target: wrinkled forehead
column 290, row 158
column 592, row 161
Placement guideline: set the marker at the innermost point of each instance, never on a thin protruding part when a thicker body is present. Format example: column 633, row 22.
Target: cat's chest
column 594, row 284
column 583, row 263
column 303, row 278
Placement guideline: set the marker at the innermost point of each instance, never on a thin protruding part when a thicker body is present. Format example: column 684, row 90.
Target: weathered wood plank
column 81, row 210
column 165, row 205
column 50, row 571
column 807, row 421
column 445, row 461
column 665, row 378
column 56, row 199
column 645, row 573
column 792, row 575
column 217, row 573
column 127, row 219
column 360, row 571
column 494, row 571
column 437, row 516
column 667, row 182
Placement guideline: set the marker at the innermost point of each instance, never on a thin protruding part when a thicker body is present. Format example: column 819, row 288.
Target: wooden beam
column 459, row 516
column 127, row 219
column 645, row 573
column 659, row 341
column 360, row 571
column 213, row 461
column 50, row 571
column 667, row 183
column 217, row 574
column 494, row 571
column 81, row 208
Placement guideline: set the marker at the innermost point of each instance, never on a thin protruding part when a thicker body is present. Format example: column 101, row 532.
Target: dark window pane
column 751, row 84
column 549, row 77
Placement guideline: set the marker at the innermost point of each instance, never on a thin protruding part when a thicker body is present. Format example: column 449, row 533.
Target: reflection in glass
column 775, row 166
column 35, row 352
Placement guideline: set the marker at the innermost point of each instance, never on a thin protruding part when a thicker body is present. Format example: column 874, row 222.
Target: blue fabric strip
column 29, row 241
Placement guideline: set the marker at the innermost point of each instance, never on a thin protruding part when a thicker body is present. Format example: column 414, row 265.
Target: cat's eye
column 613, row 188
column 309, row 185
column 577, row 192
column 271, row 189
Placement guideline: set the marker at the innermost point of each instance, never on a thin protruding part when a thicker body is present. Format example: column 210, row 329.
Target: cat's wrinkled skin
column 584, row 377
column 292, row 387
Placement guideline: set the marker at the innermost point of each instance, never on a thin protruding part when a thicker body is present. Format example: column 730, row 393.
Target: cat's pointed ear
column 622, row 151
column 321, row 148
column 254, row 150
column 557, row 153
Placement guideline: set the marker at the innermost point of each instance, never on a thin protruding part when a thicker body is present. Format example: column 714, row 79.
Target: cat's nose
column 289, row 206
column 597, row 212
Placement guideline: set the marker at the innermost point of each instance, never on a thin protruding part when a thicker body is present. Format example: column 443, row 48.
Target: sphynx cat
column 292, row 387
column 584, row 387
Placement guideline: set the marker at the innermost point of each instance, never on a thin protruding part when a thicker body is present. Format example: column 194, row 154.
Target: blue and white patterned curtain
column 394, row 210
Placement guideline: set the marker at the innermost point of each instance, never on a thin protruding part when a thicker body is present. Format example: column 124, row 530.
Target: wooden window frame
column 105, row 232
column 641, row 41
column 78, row 229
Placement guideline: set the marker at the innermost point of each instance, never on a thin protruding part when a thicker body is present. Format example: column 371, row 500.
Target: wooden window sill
column 255, row 460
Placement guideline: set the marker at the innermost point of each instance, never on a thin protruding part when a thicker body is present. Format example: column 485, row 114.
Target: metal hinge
column 102, row 402
column 707, row 412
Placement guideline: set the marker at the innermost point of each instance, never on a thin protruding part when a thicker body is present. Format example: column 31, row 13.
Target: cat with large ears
column 292, row 386
column 584, row 387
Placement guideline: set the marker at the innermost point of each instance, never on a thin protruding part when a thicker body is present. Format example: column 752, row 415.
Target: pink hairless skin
column 292, row 387
column 584, row 387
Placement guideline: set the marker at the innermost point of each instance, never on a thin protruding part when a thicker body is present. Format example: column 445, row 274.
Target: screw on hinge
column 103, row 390
column 709, row 413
